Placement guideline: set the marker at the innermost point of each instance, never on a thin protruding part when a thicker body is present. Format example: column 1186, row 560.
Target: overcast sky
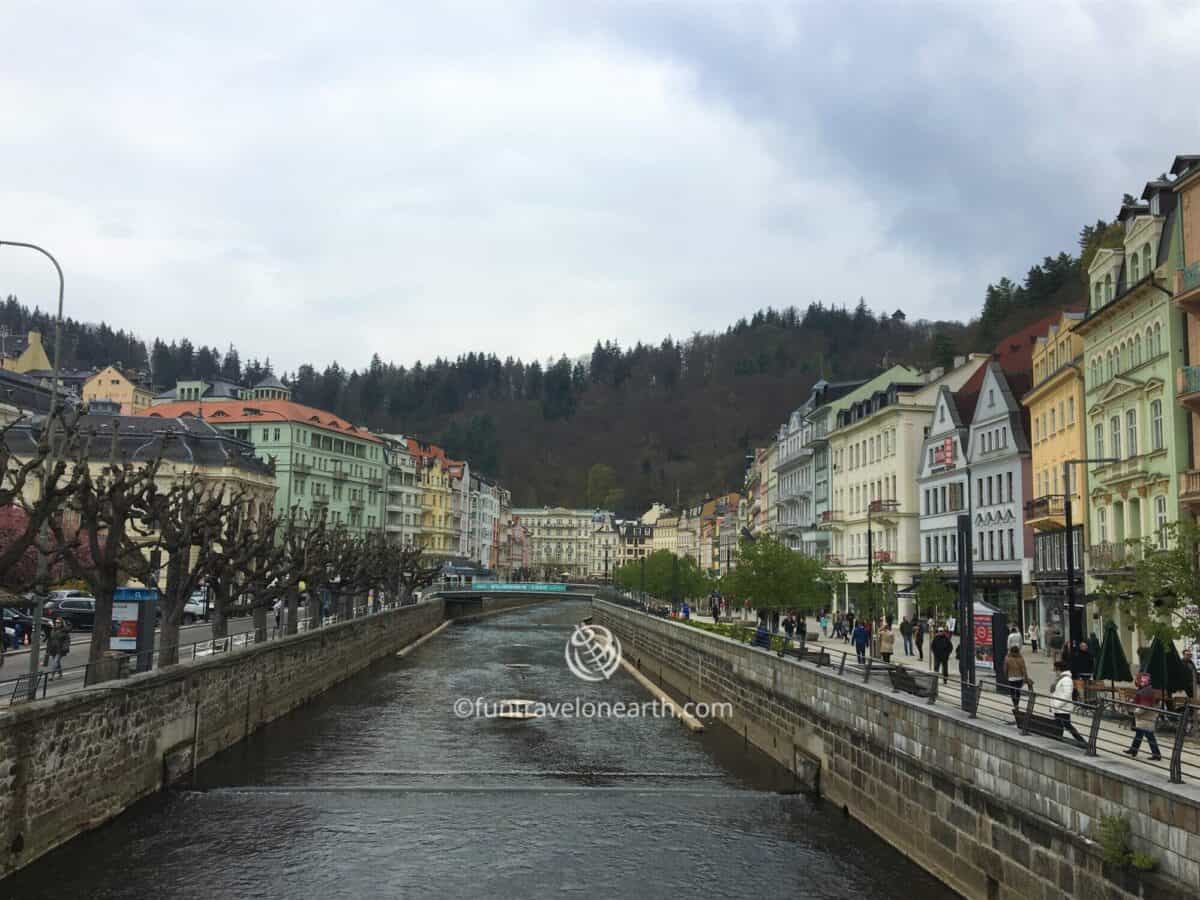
column 319, row 181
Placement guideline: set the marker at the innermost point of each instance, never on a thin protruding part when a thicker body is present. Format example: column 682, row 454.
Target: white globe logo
column 593, row 652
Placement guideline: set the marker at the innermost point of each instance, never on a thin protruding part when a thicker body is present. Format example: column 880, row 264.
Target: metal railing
column 1044, row 507
column 119, row 665
column 1102, row 723
column 1113, row 555
column 1187, row 379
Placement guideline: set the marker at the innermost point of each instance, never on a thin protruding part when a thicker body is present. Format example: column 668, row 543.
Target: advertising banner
column 532, row 587
column 126, row 603
column 983, row 637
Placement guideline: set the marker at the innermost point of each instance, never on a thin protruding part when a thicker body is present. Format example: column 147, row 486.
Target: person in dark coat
column 1190, row 666
column 801, row 628
column 919, row 639
column 762, row 637
column 58, row 645
column 940, row 647
column 1082, row 663
column 906, row 632
column 859, row 638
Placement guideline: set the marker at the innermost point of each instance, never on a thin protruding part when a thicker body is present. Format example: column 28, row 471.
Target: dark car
column 80, row 612
column 19, row 617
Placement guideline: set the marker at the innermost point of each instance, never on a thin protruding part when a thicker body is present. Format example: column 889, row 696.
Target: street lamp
column 1073, row 635
column 883, row 506
column 35, row 639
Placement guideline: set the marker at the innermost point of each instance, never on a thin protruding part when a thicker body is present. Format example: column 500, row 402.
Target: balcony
column 375, row 481
column 1187, row 387
column 340, row 475
column 1114, row 557
column 883, row 556
column 301, row 468
column 832, row 518
column 1189, row 489
column 832, row 559
column 356, row 504
column 1131, row 467
column 1187, row 288
column 1046, row 513
column 883, row 510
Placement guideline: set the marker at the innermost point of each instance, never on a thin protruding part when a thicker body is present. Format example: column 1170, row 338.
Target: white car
column 196, row 608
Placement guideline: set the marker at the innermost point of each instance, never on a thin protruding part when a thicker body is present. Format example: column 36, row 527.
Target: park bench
column 902, row 680
column 1043, row 726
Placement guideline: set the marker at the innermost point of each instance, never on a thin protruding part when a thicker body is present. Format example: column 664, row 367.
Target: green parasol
column 1111, row 663
column 1165, row 667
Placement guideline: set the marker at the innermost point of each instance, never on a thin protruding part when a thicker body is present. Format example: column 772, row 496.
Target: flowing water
column 377, row 789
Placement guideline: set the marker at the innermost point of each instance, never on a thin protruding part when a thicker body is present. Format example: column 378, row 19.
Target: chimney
column 934, row 374
column 959, row 361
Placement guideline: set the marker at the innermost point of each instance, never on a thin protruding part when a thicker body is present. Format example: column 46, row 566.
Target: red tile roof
column 222, row 411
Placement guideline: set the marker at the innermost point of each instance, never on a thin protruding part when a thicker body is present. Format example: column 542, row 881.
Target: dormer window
column 1135, row 269
column 1146, row 267
column 1155, row 206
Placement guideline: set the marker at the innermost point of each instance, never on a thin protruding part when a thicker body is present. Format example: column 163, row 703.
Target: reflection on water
column 377, row 789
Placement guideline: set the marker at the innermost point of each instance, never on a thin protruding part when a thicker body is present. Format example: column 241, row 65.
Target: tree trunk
column 220, row 604
column 293, row 611
column 260, row 624
column 172, row 612
column 102, row 626
column 314, row 608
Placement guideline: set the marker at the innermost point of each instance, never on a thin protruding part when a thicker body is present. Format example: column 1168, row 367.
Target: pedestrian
column 1190, row 666
column 1144, row 718
column 850, row 623
column 762, row 637
column 823, row 622
column 687, row 611
column 940, row 648
column 715, row 609
column 919, row 639
column 1016, row 674
column 802, row 629
column 860, row 639
column 1014, row 637
column 906, row 632
column 58, row 645
column 1060, row 701
column 278, row 608
column 774, row 621
column 887, row 643
column 1033, row 636
column 1083, row 664
column 788, row 628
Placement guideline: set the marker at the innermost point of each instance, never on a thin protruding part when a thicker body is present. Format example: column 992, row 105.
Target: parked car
column 196, row 607
column 57, row 597
column 14, row 617
column 80, row 612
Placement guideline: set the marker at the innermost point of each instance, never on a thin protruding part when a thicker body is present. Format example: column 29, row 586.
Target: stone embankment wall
column 71, row 762
column 990, row 813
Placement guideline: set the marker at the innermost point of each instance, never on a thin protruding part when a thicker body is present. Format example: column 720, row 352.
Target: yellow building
column 1057, row 433
column 112, row 385
column 32, row 359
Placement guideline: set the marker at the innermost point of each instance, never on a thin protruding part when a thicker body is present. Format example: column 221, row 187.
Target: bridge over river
column 378, row 789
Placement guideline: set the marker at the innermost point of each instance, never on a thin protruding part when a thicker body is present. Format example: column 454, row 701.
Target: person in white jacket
column 1060, row 702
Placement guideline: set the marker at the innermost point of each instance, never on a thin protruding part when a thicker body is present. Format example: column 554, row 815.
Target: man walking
column 919, row 639
column 1060, row 702
column 859, row 638
column 940, row 647
column 1144, row 718
column 58, row 645
column 906, row 632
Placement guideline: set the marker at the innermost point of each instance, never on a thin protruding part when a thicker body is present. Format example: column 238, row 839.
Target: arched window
column 1108, row 364
column 1135, row 269
column 1158, row 345
column 1146, row 267
column 1137, row 350
column 1149, row 343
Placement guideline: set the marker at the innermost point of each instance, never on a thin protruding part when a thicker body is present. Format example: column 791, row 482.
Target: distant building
column 560, row 540
column 25, row 355
column 112, row 385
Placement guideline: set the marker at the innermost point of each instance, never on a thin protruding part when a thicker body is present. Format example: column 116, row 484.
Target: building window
column 1008, row 475
column 1099, row 437
column 1147, row 269
column 1115, row 428
column 1070, row 410
column 1053, row 428
column 1160, row 520
column 1131, row 432
column 1156, row 425
column 1108, row 365
column 1135, row 269
column 1102, row 524
column 1137, row 350
column 980, row 483
column 1158, row 346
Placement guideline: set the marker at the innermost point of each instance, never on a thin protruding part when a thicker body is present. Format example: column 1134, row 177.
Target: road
column 16, row 662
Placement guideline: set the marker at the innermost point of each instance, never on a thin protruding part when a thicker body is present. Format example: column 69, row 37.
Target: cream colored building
column 666, row 534
column 875, row 445
column 605, row 548
column 561, row 540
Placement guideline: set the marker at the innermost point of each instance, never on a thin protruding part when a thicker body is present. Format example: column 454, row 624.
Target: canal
column 377, row 789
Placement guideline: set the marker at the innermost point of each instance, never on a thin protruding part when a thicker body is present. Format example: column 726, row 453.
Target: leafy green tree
column 771, row 576
column 933, row 593
column 1160, row 594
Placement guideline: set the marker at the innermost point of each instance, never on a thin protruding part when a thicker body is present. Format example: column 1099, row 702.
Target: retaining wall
column 991, row 814
column 72, row 762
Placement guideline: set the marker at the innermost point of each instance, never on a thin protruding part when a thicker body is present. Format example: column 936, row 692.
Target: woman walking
column 1016, row 674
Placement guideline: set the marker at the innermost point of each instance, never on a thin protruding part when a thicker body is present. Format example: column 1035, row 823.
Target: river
column 377, row 789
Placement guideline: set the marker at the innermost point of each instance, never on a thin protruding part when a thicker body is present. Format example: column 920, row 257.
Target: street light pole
column 41, row 589
column 1073, row 633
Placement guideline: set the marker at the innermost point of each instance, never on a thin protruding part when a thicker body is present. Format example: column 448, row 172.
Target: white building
column 403, row 502
column 561, row 540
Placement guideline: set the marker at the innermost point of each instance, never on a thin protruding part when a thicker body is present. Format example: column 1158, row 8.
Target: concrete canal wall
column 71, row 762
column 991, row 814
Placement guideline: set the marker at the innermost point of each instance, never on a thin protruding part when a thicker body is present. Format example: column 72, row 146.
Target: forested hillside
column 675, row 418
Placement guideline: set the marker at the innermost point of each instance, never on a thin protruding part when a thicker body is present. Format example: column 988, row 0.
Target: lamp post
column 1073, row 635
column 35, row 639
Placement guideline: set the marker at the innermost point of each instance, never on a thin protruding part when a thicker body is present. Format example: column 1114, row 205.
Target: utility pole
column 966, row 609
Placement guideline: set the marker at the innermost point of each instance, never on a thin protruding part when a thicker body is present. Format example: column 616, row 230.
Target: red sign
column 983, row 637
column 944, row 455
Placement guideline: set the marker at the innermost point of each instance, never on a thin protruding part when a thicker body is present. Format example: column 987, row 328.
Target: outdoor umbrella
column 1111, row 662
column 1165, row 667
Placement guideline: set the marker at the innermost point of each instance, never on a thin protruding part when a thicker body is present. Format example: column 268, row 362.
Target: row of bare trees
column 75, row 506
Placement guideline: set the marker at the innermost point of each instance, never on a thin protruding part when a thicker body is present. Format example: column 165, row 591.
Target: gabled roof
column 231, row 411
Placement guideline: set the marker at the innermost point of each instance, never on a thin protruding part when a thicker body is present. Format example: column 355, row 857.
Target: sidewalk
column 1040, row 664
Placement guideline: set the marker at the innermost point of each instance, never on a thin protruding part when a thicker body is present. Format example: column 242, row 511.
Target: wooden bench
column 1043, row 726
column 902, row 680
